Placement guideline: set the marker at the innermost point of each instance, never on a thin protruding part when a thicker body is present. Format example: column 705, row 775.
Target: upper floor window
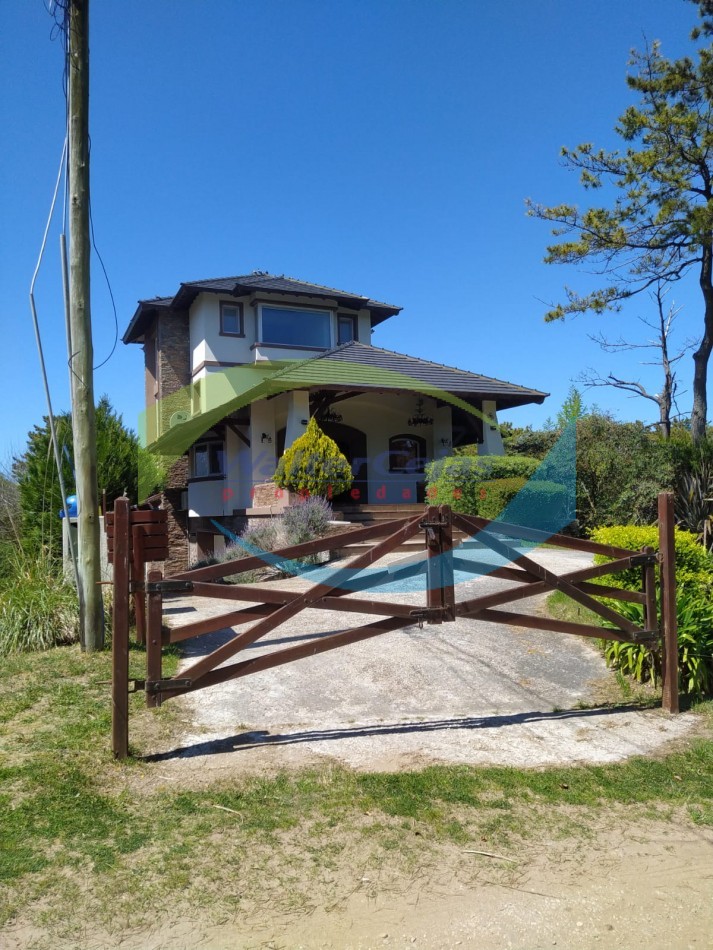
column 231, row 319
column 293, row 326
column 346, row 328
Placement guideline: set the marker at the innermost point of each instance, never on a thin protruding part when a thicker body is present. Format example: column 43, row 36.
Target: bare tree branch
column 663, row 327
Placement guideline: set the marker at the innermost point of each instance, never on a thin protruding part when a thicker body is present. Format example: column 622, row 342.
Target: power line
column 38, row 340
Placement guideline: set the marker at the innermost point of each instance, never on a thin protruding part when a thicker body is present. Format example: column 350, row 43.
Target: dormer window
column 231, row 319
column 346, row 328
column 295, row 326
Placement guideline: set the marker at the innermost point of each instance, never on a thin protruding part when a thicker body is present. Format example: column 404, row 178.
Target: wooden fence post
column 447, row 580
column 120, row 632
column 138, row 573
column 440, row 592
column 153, row 639
column 669, row 621
column 648, row 586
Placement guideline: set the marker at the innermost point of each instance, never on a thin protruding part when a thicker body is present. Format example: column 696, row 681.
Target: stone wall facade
column 173, row 365
column 174, row 376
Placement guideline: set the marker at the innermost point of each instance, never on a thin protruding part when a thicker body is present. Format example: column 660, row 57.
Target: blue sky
column 381, row 146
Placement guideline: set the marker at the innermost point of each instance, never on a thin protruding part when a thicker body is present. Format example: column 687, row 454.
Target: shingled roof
column 448, row 378
column 247, row 284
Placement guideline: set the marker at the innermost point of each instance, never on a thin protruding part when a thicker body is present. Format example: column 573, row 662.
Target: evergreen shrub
column 456, row 480
column 540, row 504
column 313, row 465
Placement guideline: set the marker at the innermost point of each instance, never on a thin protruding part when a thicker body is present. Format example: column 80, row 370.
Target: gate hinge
column 645, row 636
column 164, row 686
column 427, row 613
column 644, row 560
column 165, row 586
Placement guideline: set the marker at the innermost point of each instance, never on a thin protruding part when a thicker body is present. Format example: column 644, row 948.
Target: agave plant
column 694, row 502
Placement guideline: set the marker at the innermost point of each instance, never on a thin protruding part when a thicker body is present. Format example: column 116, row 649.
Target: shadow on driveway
column 259, row 739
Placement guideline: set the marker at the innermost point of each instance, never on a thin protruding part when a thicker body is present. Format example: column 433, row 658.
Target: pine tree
column 36, row 474
column 658, row 226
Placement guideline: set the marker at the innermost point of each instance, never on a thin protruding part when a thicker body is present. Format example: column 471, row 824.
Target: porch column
column 297, row 415
column 231, row 485
column 492, row 440
column 442, row 432
column 263, row 442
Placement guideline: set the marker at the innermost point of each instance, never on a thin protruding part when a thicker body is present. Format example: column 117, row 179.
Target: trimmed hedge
column 456, row 480
column 694, row 565
column 537, row 504
column 694, row 609
column 496, row 493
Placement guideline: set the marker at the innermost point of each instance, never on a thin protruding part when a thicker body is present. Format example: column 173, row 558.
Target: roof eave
column 135, row 329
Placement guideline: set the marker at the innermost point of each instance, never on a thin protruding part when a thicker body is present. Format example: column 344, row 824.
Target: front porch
column 388, row 438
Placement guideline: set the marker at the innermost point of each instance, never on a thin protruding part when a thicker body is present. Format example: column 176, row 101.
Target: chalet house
column 235, row 367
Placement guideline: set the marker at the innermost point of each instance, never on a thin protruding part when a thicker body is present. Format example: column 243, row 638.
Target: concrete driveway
column 464, row 692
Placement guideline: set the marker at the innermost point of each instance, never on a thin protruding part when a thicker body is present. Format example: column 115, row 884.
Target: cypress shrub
column 313, row 465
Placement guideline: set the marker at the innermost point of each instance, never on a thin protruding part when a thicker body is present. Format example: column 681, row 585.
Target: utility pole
column 82, row 356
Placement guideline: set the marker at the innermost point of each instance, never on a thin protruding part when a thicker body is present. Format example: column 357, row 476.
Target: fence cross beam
column 407, row 528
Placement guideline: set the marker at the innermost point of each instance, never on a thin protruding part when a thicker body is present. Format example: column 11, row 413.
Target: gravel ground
column 464, row 692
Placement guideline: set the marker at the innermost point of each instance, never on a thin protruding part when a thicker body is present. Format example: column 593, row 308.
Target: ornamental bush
column 694, row 609
column 307, row 519
column 38, row 605
column 313, row 465
column 456, row 480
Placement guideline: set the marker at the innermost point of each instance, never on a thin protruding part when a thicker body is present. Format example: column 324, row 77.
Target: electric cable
column 111, row 293
column 38, row 340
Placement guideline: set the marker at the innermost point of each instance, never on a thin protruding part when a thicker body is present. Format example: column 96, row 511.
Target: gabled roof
column 448, row 378
column 248, row 284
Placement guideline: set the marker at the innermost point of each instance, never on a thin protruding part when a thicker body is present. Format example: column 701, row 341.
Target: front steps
column 370, row 514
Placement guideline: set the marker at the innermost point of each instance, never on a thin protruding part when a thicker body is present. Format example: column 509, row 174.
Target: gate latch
column 644, row 560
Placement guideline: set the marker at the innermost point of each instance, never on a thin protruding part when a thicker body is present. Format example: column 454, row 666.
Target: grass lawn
column 83, row 838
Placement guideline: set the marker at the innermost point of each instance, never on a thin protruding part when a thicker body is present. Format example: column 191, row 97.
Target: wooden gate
column 140, row 537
